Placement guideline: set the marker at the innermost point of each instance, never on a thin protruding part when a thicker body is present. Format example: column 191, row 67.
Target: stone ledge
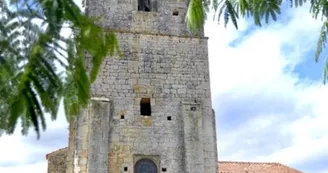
column 156, row 34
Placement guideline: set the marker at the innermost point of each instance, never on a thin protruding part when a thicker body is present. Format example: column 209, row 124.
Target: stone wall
column 162, row 62
column 173, row 72
column 57, row 161
column 123, row 15
column 88, row 139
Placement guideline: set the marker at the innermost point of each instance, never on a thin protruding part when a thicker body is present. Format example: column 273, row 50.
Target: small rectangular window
column 175, row 13
column 145, row 107
column 146, row 5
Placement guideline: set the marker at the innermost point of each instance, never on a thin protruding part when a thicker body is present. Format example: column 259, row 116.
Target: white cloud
column 14, row 142
column 23, row 153
column 258, row 67
column 40, row 167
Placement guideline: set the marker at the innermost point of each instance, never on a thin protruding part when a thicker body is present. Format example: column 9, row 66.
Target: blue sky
column 267, row 92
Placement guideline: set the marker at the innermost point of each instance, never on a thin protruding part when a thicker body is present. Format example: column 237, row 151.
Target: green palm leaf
column 195, row 18
column 31, row 84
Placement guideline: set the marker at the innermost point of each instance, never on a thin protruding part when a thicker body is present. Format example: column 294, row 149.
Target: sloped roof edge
column 56, row 151
column 261, row 163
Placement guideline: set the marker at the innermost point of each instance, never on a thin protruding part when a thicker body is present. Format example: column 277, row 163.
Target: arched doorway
column 145, row 166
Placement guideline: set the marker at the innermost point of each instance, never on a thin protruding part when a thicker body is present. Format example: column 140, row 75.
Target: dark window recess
column 125, row 168
column 169, row 118
column 122, row 115
column 175, row 13
column 145, row 107
column 164, row 169
column 146, row 5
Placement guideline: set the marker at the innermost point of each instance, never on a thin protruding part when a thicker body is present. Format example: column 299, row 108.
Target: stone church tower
column 151, row 109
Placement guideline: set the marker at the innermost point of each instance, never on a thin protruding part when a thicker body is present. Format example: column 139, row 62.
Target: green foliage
column 31, row 86
column 259, row 10
column 196, row 14
column 30, row 83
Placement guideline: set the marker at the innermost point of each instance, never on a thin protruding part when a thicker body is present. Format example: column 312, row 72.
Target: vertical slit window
column 145, row 107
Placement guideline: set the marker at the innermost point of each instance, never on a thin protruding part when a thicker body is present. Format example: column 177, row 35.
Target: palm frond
column 258, row 9
column 215, row 4
column 322, row 40
column 195, row 17
column 231, row 13
column 30, row 84
column 296, row 3
column 325, row 72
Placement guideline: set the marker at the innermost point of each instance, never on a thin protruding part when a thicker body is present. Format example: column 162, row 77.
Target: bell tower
column 151, row 110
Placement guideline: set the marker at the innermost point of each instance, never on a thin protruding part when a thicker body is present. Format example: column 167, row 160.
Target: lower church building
column 57, row 161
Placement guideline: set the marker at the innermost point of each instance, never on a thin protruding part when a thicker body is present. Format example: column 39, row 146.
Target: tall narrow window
column 144, row 5
column 145, row 107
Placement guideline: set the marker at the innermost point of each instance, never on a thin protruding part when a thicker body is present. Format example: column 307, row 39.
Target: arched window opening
column 145, row 166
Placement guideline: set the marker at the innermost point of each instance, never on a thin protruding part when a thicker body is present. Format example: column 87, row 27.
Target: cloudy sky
column 267, row 93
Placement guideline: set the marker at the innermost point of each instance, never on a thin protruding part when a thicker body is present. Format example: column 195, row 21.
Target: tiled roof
column 54, row 152
column 254, row 167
